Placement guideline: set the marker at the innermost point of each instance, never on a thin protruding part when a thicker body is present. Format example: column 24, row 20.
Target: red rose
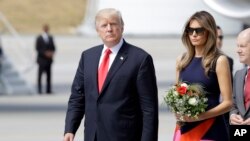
column 182, row 90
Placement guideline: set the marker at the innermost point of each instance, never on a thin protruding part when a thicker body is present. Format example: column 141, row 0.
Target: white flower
column 192, row 101
column 176, row 93
column 184, row 85
column 184, row 104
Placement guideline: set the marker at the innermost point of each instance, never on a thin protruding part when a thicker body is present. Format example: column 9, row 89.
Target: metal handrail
column 24, row 54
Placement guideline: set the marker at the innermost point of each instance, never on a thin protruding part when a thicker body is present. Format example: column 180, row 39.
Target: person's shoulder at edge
column 222, row 62
column 222, row 59
column 135, row 48
column 38, row 36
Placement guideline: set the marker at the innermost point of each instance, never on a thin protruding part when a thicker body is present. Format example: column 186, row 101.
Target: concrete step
column 11, row 81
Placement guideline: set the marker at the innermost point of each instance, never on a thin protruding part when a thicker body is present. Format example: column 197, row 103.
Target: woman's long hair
column 211, row 52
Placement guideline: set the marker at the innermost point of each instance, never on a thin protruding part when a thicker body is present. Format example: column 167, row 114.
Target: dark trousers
column 47, row 70
column 226, row 117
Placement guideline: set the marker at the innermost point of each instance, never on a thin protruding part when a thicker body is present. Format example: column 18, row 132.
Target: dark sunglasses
column 198, row 31
column 220, row 37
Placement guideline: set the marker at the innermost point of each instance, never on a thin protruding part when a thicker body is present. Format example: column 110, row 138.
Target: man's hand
column 49, row 54
column 246, row 122
column 68, row 137
column 236, row 119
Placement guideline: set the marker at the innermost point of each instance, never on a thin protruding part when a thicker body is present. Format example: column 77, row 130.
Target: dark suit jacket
column 42, row 47
column 238, row 94
column 126, row 108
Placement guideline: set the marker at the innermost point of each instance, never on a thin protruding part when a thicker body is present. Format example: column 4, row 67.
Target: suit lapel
column 94, row 67
column 241, row 90
column 119, row 60
column 244, row 73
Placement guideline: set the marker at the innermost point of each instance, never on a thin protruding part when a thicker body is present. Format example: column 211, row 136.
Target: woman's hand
column 186, row 118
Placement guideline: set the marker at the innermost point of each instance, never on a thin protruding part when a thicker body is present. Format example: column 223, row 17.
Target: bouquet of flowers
column 186, row 100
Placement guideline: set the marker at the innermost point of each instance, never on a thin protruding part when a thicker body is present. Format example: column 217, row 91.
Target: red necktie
column 103, row 69
column 247, row 90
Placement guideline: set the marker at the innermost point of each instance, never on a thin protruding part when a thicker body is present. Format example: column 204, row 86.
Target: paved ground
column 41, row 118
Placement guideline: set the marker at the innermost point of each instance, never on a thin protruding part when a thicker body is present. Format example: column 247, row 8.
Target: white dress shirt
column 115, row 49
column 45, row 37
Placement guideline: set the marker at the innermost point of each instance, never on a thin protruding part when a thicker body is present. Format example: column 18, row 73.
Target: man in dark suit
column 240, row 113
column 45, row 52
column 125, row 106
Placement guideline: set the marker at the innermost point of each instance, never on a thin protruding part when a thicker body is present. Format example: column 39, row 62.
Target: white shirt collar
column 45, row 36
column 115, row 48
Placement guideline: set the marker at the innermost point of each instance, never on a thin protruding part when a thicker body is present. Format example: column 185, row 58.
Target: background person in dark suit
column 45, row 52
column 125, row 108
column 240, row 113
